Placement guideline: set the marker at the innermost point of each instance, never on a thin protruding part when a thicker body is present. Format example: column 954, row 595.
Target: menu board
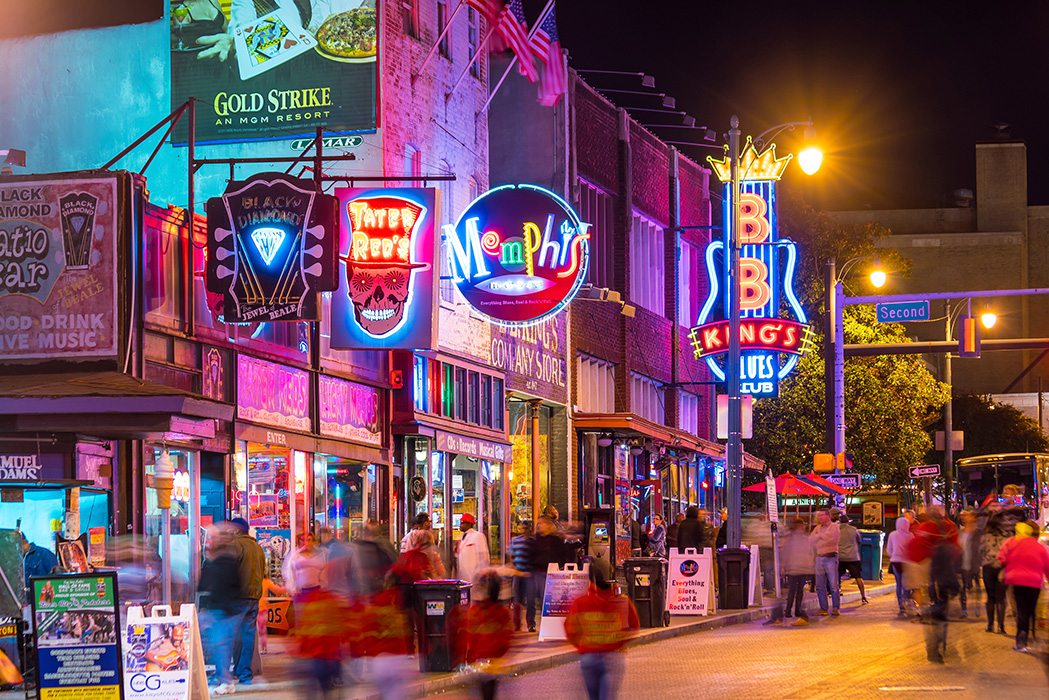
column 77, row 646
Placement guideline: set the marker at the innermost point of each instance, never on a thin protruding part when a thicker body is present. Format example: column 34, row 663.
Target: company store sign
column 58, row 268
column 518, row 254
column 350, row 411
column 472, row 447
column 774, row 331
column 533, row 357
column 272, row 394
column 271, row 249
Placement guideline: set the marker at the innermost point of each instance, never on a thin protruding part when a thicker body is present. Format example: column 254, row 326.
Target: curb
column 454, row 681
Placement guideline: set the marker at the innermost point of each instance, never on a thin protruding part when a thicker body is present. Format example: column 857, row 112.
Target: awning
column 633, row 424
column 106, row 404
column 310, row 443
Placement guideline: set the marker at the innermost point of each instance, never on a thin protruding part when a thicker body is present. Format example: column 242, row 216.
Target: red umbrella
column 789, row 485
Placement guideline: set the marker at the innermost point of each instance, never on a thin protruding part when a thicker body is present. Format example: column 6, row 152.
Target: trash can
column 435, row 600
column 646, row 585
column 733, row 578
column 871, row 542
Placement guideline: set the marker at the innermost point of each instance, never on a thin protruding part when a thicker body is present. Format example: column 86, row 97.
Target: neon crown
column 753, row 165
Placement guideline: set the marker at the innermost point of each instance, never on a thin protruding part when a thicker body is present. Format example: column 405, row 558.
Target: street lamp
column 988, row 319
column 734, row 446
column 878, row 278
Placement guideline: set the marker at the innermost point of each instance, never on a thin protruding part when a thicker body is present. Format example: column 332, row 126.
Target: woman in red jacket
column 1026, row 563
column 482, row 633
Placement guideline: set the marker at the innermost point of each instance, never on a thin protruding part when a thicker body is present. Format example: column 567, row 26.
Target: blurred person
column 481, row 634
column 896, row 549
column 758, row 530
column 673, row 530
column 598, row 624
column 305, row 569
column 373, row 557
column 550, row 511
column 849, row 548
column 969, row 542
column 251, row 561
column 721, row 539
column 340, row 566
column 825, row 537
column 420, row 523
column 219, row 590
column 36, row 560
column 321, row 624
column 1025, row 563
column 635, row 536
column 269, row 589
column 798, row 561
column 691, row 532
column 657, row 539
column 944, row 582
column 472, row 556
column 522, row 555
column 995, row 535
column 386, row 641
column 548, row 550
column 910, row 515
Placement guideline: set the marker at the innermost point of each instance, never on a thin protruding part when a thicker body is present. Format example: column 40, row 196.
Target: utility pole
column 830, row 352
column 734, row 448
column 948, row 425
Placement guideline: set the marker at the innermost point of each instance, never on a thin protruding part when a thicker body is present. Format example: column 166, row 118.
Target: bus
column 1014, row 479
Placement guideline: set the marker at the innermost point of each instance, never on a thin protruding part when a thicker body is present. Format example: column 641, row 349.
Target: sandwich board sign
column 690, row 585
column 163, row 655
column 563, row 586
column 755, row 588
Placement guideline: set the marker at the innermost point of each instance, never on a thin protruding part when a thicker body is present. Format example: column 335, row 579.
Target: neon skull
column 379, row 263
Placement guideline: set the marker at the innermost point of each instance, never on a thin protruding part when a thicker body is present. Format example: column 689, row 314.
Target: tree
column 890, row 400
column 992, row 427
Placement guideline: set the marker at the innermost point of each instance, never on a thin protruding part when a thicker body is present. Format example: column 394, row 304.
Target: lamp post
column 163, row 481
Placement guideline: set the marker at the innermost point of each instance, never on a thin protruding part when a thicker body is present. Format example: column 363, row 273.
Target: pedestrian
column 598, row 624
column 825, row 537
column 969, row 542
column 251, row 561
column 721, row 539
column 673, row 530
column 373, row 556
column 944, row 563
column 482, row 634
column 1025, row 562
column 635, row 537
column 994, row 536
column 758, row 531
column 36, row 560
column 849, row 548
column 473, row 554
column 690, row 532
column 421, row 522
column 657, row 539
column 305, row 569
column 386, row 640
column 522, row 555
column 798, row 561
column 219, row 590
column 896, row 549
column 549, row 549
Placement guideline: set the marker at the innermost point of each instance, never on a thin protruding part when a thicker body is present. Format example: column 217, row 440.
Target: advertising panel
column 388, row 250
column 563, row 586
column 534, row 357
column 273, row 394
column 350, row 411
column 58, row 268
column 274, row 68
column 271, row 248
column 518, row 254
column 690, row 589
column 773, row 331
column 76, row 629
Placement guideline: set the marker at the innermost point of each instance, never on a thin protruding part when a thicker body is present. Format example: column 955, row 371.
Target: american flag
column 489, row 9
column 513, row 28
column 553, row 81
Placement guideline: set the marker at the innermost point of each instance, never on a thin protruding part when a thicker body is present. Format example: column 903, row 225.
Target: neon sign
column 387, row 251
column 271, row 249
column 773, row 327
column 518, row 254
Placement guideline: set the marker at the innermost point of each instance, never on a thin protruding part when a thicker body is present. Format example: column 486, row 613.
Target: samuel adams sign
column 47, row 466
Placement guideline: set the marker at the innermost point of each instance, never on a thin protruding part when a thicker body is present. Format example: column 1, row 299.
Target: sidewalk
column 527, row 654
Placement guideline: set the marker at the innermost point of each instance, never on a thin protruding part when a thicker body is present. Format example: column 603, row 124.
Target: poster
column 96, row 539
column 274, row 68
column 76, row 623
column 58, row 257
column 563, row 586
column 163, row 655
column 690, row 588
column 388, row 271
column 72, row 554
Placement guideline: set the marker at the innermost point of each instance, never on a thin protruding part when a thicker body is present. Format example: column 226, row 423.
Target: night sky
column 899, row 90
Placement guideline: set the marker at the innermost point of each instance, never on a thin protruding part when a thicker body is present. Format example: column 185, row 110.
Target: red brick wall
column 650, row 170
column 597, row 139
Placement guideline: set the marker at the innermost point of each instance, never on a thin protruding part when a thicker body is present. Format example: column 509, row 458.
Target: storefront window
column 342, row 505
column 267, row 500
column 164, row 251
column 185, row 526
column 492, row 500
column 521, row 444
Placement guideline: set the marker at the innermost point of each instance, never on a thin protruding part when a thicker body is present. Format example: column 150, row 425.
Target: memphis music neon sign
column 774, row 331
column 518, row 254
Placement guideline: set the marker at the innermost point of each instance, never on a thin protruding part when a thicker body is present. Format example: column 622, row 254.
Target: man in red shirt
column 598, row 625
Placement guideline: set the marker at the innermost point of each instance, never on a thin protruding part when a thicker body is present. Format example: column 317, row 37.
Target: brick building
column 640, row 403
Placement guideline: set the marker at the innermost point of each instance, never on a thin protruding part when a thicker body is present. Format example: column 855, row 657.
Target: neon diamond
column 268, row 241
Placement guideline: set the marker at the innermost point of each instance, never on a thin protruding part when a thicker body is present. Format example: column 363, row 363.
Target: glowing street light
column 810, row 159
column 878, row 278
column 988, row 319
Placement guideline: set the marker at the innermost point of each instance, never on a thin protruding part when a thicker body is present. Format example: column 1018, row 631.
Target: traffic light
column 969, row 338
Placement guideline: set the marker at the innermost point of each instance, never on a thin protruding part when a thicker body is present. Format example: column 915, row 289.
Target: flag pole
column 483, row 45
column 513, row 61
column 433, row 49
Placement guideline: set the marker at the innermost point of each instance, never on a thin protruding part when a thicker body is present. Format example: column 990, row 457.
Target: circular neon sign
column 518, row 254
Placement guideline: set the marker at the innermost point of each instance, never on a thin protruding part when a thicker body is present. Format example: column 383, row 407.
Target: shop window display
column 263, row 494
column 183, row 544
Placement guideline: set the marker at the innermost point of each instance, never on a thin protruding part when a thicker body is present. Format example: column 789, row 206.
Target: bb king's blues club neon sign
column 518, row 254
column 271, row 248
column 773, row 328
